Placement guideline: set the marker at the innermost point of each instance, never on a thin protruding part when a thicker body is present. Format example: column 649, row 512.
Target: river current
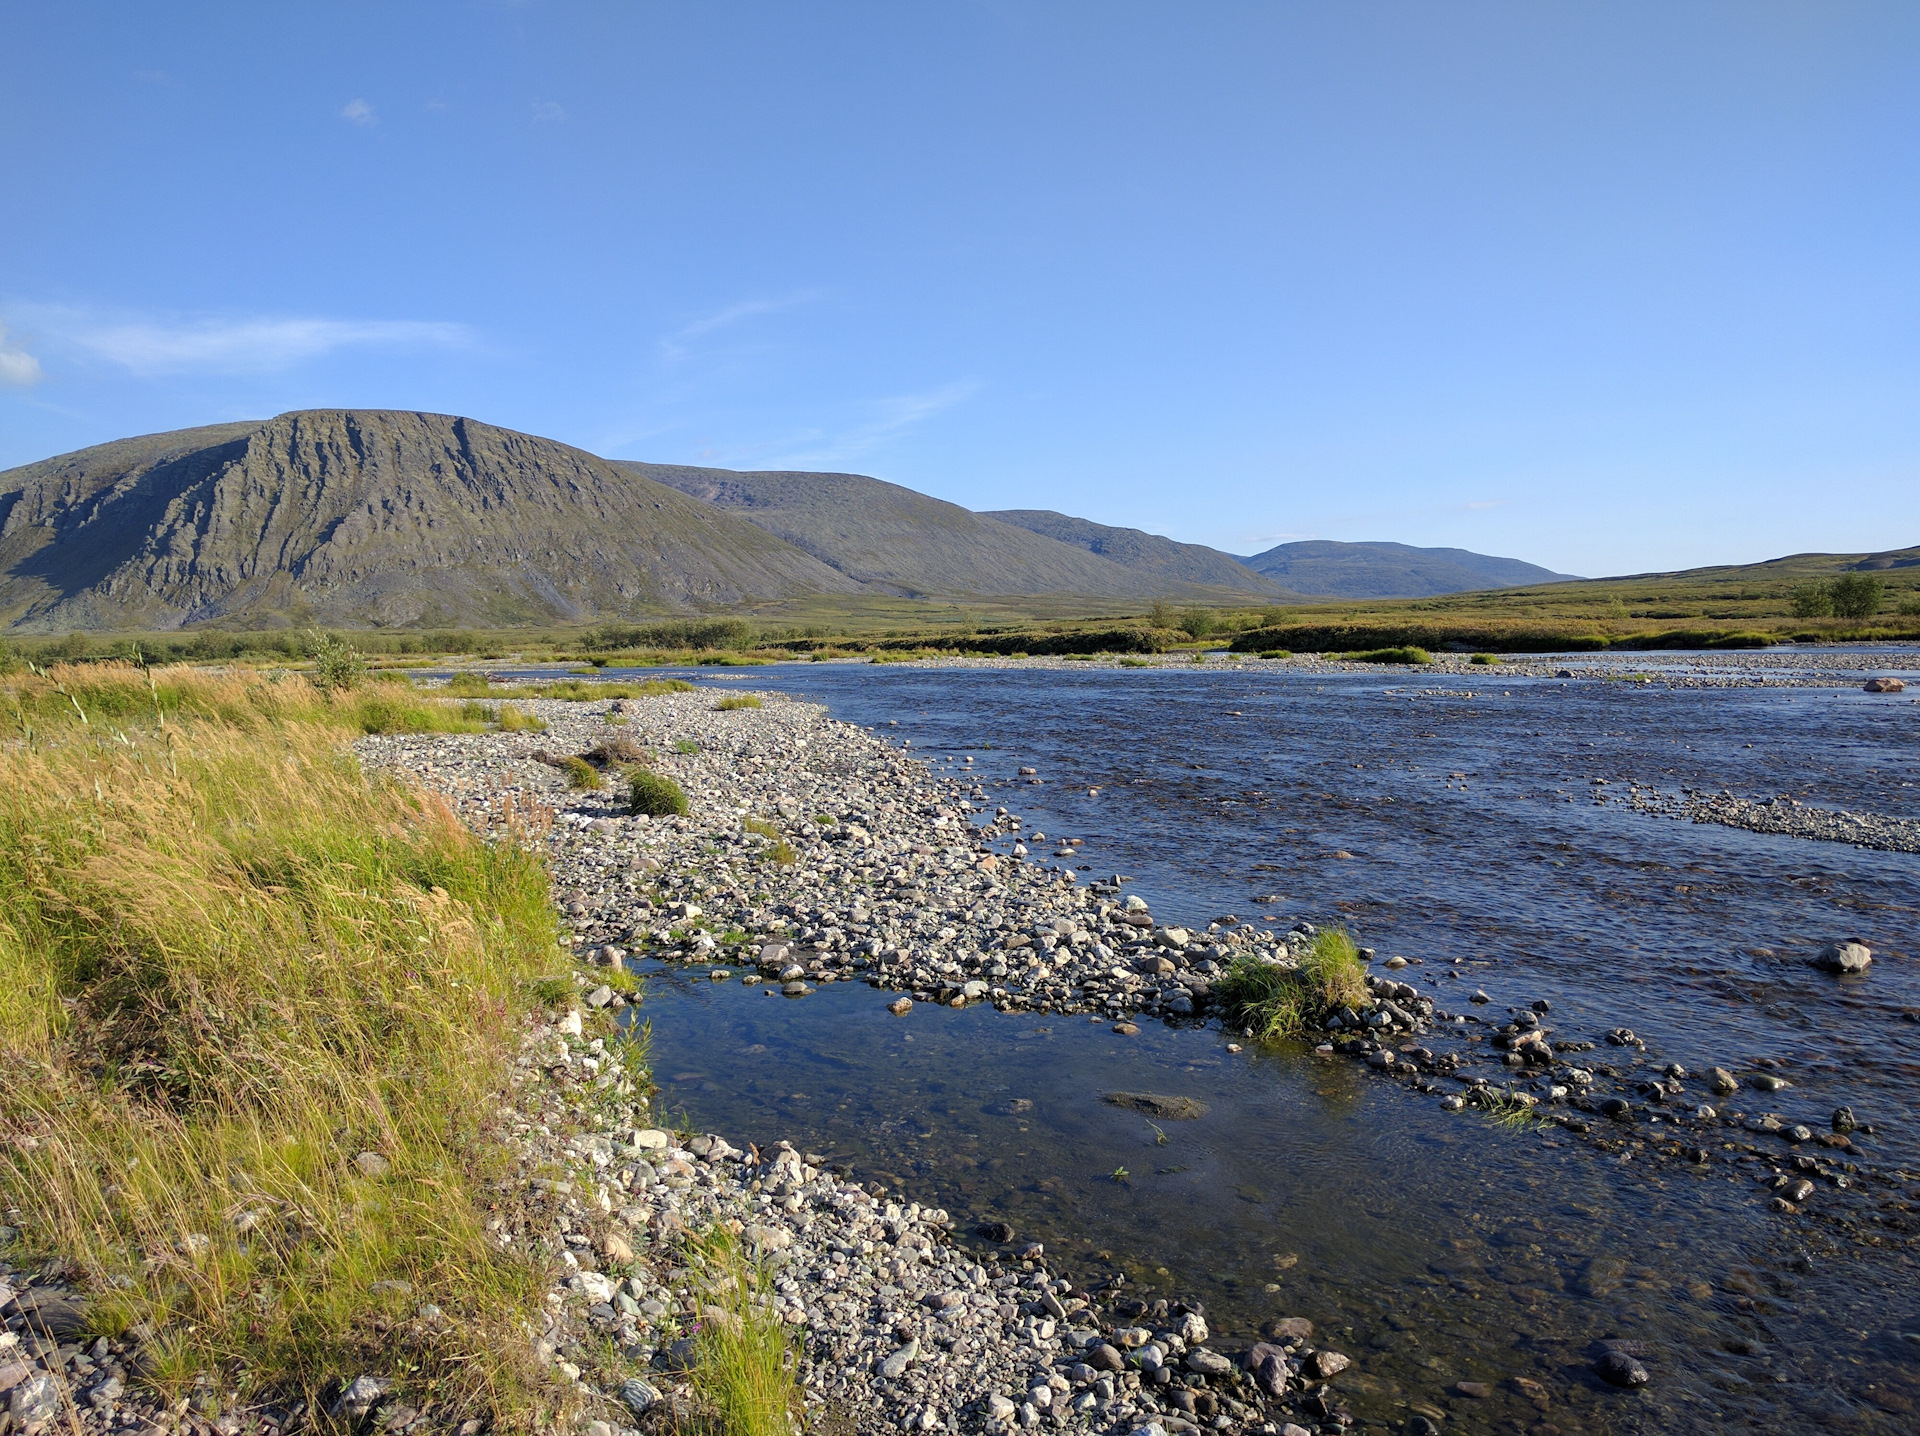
column 1454, row 821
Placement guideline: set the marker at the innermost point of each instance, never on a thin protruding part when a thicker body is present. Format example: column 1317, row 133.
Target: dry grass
column 230, row 964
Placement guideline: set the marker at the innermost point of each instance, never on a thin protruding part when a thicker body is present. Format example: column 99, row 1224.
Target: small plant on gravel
column 746, row 1374
column 686, row 747
column 1276, row 1000
column 512, row 720
column 1135, row 663
column 761, row 826
column 782, row 853
column 1486, row 658
column 736, row 702
column 1275, row 653
column 657, row 795
column 582, row 775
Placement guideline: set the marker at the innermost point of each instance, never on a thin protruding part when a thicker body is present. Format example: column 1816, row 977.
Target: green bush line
column 1348, row 638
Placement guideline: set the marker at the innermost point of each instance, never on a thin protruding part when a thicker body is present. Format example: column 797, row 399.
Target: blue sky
column 1607, row 287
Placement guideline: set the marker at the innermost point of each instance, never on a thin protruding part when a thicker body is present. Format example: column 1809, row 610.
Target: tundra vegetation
column 257, row 1009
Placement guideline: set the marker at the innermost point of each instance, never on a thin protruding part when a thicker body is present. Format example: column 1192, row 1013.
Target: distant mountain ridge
column 374, row 518
column 1172, row 562
column 359, row 517
column 1322, row 568
column 907, row 543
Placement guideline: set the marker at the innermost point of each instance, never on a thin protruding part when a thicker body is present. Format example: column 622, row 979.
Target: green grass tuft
column 1280, row 1001
column 582, row 775
column 1389, row 655
column 745, row 1372
column 513, row 720
column 1276, row 653
column 1486, row 658
column 657, row 795
column 736, row 702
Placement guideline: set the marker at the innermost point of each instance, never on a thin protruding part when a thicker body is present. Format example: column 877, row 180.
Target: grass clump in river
column 657, row 795
column 1408, row 654
column 256, row 1007
column 1281, row 1000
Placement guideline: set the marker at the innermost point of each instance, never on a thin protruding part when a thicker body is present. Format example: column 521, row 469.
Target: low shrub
column 657, row 795
column 1389, row 655
column 1483, row 658
column 1276, row 1000
column 737, row 702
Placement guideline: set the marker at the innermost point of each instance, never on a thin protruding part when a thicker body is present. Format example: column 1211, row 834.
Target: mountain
column 1324, row 569
column 1148, row 554
column 901, row 542
column 367, row 517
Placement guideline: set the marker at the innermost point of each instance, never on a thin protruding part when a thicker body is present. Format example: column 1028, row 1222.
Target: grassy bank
column 256, row 1010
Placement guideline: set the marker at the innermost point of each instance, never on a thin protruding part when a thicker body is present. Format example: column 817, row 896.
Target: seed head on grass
column 1276, row 1000
column 657, row 795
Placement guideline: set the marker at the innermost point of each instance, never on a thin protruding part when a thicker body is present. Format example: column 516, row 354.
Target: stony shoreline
column 891, row 883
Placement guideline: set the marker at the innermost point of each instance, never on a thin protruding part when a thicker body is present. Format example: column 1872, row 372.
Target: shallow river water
column 1453, row 821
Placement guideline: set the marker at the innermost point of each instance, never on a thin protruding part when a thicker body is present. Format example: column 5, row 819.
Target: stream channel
column 1452, row 820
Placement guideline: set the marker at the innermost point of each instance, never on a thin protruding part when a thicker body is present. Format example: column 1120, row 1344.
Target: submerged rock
column 1170, row 1109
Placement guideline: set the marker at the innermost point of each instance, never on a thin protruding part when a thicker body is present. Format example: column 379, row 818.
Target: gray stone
column 1621, row 1369
column 639, row 1397
column 359, row 1397
column 1848, row 956
column 35, row 1399
column 895, row 1366
column 1208, row 1363
column 1325, row 1364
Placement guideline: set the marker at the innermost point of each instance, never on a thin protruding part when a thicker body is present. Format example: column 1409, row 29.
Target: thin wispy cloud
column 227, row 345
column 547, row 112
column 358, row 112
column 679, row 344
column 884, row 419
column 18, row 369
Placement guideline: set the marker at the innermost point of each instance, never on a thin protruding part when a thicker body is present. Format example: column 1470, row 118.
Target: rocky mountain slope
column 1322, row 568
column 902, row 542
column 1148, row 554
column 359, row 517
